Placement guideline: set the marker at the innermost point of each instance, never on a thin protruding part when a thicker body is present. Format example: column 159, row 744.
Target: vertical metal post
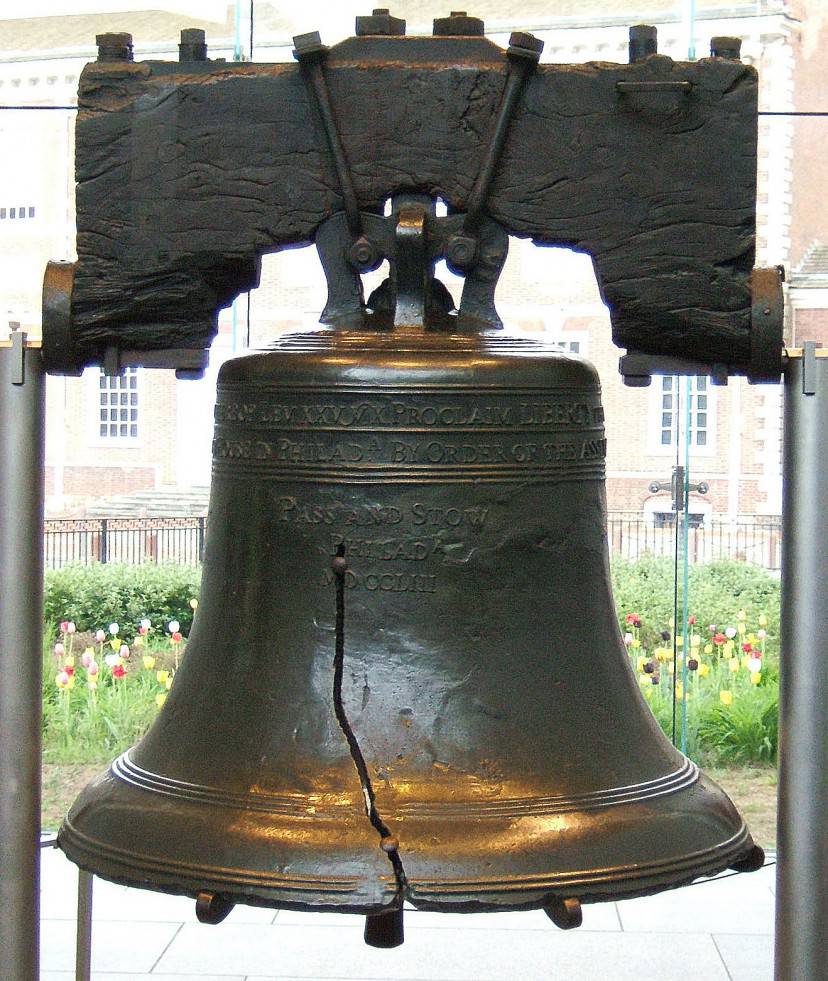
column 21, row 654
column 104, row 543
column 802, row 870
column 83, row 946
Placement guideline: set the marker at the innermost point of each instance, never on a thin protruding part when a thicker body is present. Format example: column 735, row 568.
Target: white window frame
column 94, row 390
column 657, row 410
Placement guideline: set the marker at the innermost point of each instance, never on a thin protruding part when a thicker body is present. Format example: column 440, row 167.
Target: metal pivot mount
column 678, row 487
column 353, row 242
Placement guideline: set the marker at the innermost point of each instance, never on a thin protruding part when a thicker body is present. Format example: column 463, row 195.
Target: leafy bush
column 746, row 731
column 716, row 591
column 95, row 595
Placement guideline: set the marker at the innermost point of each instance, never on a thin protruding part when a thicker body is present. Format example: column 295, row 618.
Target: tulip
column 118, row 671
column 708, row 648
column 60, row 650
column 755, row 664
column 649, row 668
column 149, row 662
column 88, row 657
column 114, row 629
column 704, row 670
column 734, row 665
column 695, row 640
column 691, row 620
column 193, row 604
column 747, row 648
column 177, row 637
column 145, row 626
column 100, row 636
column 761, row 634
column 70, row 627
column 160, row 698
column 92, row 685
column 726, row 697
column 69, row 669
column 719, row 638
column 679, row 690
column 628, row 639
column 728, row 648
column 173, row 626
column 763, row 620
column 112, row 661
column 665, row 635
column 755, row 677
column 64, row 626
column 741, row 615
column 124, row 650
column 93, row 669
column 64, row 680
column 168, row 682
column 730, row 632
column 162, row 677
column 692, row 664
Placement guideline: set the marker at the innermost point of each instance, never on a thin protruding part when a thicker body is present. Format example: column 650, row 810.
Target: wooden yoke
column 188, row 172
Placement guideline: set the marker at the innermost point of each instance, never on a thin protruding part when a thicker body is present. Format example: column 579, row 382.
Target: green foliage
column 96, row 595
column 746, row 731
column 716, row 593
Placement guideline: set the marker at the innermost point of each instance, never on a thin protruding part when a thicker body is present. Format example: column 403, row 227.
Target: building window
column 118, row 405
column 701, row 411
column 24, row 211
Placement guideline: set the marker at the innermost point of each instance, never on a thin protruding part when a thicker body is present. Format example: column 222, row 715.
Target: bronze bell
column 405, row 680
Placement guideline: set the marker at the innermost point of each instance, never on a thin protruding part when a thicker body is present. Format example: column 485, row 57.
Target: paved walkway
column 718, row 930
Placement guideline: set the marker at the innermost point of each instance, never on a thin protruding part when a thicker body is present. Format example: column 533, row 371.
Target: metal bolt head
column 114, row 47
column 308, row 46
column 525, row 46
column 192, row 46
column 389, row 844
column 339, row 565
column 380, row 24
column 643, row 42
column 363, row 255
column 458, row 24
column 726, row 47
column 461, row 253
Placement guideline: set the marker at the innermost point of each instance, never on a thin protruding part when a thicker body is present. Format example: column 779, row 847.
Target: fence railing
column 757, row 540
column 132, row 540
column 181, row 540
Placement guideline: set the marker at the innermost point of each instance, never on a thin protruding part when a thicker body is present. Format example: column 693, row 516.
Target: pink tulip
column 87, row 658
column 70, row 627
column 60, row 650
column 124, row 651
column 100, row 636
column 92, row 669
column 64, row 626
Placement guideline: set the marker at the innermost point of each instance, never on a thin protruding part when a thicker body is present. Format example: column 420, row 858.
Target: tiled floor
column 717, row 930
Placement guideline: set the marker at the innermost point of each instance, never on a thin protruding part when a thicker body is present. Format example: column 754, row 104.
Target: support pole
column 21, row 653
column 83, row 941
column 802, row 870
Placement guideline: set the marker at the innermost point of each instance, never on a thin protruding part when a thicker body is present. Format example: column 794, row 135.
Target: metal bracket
column 676, row 486
column 809, row 368
column 188, row 364
column 18, row 355
column 637, row 369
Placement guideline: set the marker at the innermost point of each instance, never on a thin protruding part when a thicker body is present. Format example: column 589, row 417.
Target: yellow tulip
column 763, row 620
column 742, row 629
column 726, row 697
column 162, row 677
column 640, row 662
column 679, row 641
column 695, row 640
column 636, row 643
column 69, row 662
column 138, row 642
column 193, row 604
column 149, row 662
column 704, row 670
column 160, row 698
column 708, row 648
column 168, row 682
column 755, row 677
column 734, row 665
column 727, row 647
column 679, row 690
column 746, row 660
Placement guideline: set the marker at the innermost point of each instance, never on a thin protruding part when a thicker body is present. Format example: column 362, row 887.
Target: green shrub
column 95, row 595
column 746, row 731
column 716, row 593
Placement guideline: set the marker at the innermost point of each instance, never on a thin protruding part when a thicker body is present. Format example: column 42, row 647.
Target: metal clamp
column 676, row 485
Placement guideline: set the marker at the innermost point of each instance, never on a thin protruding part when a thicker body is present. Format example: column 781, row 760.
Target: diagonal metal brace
column 311, row 53
column 524, row 52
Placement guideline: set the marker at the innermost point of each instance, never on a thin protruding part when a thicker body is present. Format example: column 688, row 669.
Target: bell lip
column 89, row 837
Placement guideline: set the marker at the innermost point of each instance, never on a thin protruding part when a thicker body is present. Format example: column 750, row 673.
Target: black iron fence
column 132, row 540
column 181, row 540
column 756, row 539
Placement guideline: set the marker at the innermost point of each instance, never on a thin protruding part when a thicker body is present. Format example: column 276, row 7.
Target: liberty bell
column 405, row 681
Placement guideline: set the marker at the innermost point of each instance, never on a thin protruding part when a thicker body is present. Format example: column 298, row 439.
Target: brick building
column 149, row 432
